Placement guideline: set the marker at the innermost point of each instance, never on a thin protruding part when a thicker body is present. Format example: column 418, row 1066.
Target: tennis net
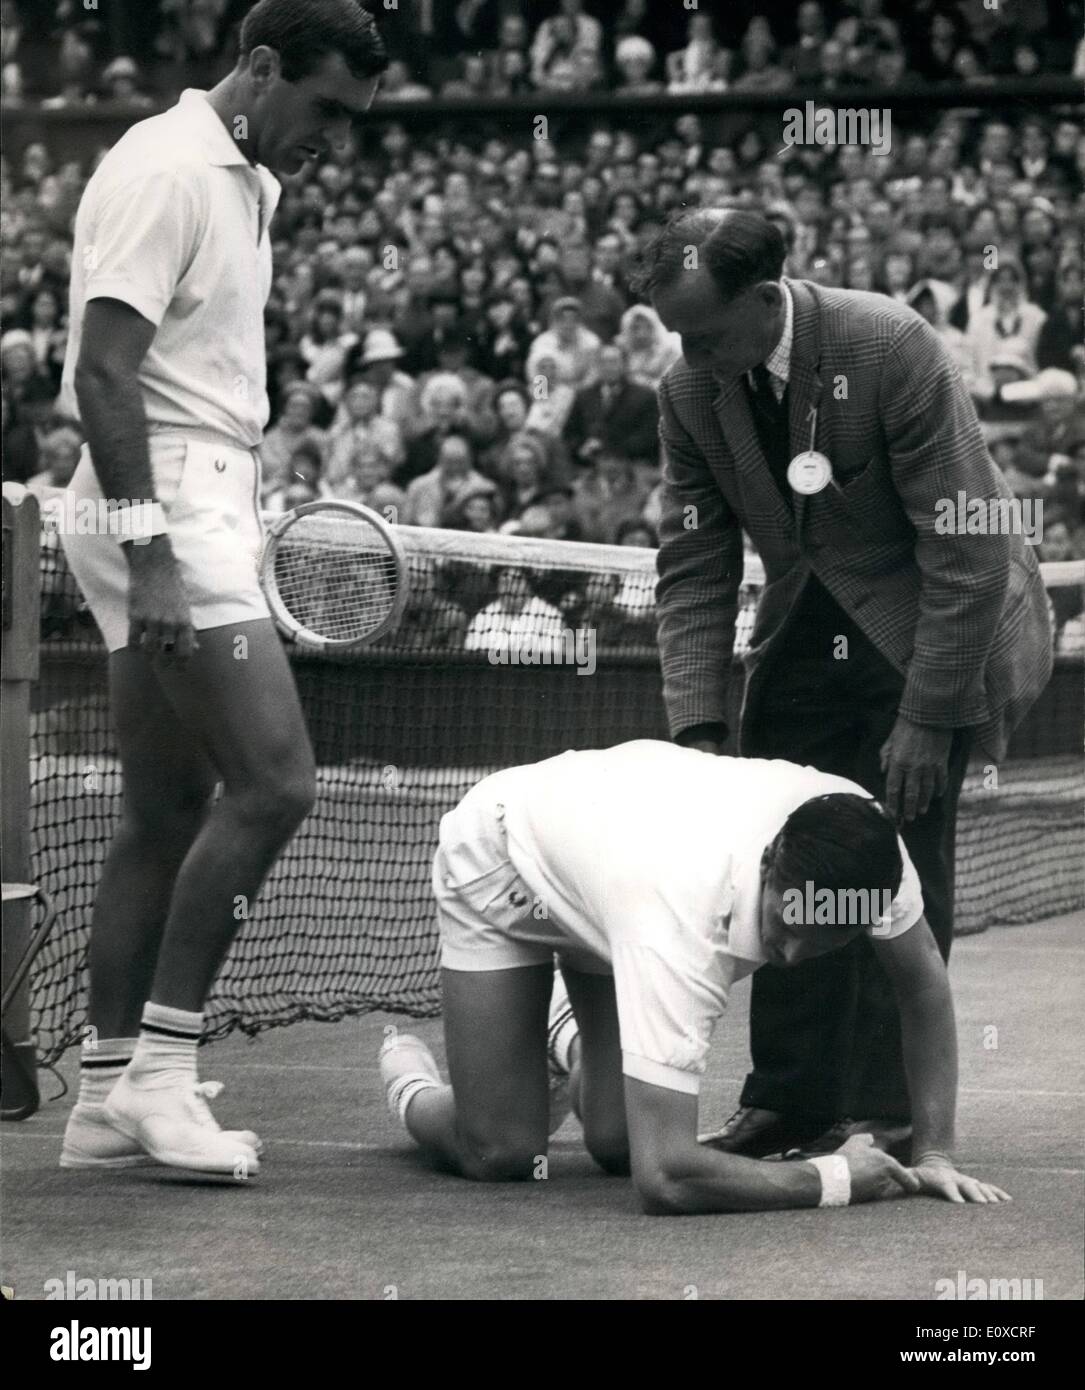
column 486, row 670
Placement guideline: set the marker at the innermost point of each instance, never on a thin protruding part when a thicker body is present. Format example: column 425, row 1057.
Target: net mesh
column 485, row 670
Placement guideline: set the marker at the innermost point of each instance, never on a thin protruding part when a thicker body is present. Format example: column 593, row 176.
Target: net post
column 21, row 630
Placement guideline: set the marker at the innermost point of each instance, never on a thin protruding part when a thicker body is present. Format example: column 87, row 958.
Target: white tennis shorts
column 210, row 494
column 487, row 916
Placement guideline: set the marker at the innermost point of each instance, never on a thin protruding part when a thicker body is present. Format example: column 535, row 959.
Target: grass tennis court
column 344, row 1209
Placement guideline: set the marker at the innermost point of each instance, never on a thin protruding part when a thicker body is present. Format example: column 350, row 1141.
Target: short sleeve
column 906, row 908
column 667, row 1011
column 141, row 242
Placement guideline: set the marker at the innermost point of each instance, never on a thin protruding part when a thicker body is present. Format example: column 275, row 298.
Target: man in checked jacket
column 884, row 649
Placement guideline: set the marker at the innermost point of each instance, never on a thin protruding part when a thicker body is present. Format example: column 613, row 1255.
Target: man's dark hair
column 838, row 841
column 739, row 249
column 304, row 32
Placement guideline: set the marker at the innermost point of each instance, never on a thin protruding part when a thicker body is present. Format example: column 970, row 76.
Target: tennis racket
column 334, row 575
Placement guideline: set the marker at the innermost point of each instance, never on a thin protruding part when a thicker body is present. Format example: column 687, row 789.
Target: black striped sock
column 101, row 1062
column 167, row 1043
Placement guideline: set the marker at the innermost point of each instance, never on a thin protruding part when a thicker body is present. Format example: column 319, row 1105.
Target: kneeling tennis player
column 659, row 877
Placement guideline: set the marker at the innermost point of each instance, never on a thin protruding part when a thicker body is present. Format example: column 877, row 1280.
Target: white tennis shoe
column 90, row 1141
column 174, row 1125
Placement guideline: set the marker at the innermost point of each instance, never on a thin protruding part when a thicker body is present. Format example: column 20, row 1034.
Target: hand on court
column 915, row 760
column 159, row 615
column 875, row 1175
column 939, row 1178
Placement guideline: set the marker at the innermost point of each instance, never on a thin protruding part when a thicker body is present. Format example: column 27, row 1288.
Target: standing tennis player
column 660, row 877
column 165, row 360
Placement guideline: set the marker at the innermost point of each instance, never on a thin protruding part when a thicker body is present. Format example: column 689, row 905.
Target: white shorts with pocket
column 210, row 494
column 487, row 916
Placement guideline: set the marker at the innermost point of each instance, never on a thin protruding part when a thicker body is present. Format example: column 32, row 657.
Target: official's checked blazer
column 964, row 618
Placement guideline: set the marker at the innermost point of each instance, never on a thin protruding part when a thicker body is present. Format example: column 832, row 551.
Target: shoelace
column 202, row 1092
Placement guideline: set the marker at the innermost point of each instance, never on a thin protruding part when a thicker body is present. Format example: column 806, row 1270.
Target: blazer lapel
column 805, row 384
column 733, row 412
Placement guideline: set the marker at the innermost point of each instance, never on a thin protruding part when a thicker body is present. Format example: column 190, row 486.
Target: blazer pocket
column 855, row 476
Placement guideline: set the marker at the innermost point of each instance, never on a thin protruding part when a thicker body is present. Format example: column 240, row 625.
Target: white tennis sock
column 165, row 1054
column 403, row 1090
column 101, row 1062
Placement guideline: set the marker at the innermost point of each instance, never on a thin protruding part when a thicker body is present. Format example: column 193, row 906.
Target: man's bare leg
column 233, row 709
column 491, row 1122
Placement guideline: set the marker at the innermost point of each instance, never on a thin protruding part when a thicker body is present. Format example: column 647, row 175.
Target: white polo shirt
column 648, row 856
column 174, row 222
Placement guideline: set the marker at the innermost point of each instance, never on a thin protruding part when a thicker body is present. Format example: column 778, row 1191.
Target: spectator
column 521, row 474
column 365, row 479
column 570, row 348
column 443, row 411
column 48, row 335
column 649, row 349
column 74, row 63
column 1008, row 324
column 566, row 49
column 358, row 425
column 803, row 60
column 635, row 59
column 930, row 301
column 559, row 503
column 760, row 71
column 703, row 65
column 475, row 510
column 325, row 346
column 295, row 427
column 553, row 399
column 519, row 624
column 58, row 455
column 616, row 414
column 1063, row 332
column 299, row 481
column 121, row 81
column 505, row 337
column 512, row 408
column 432, row 621
column 376, row 363
column 452, row 355
column 607, row 495
column 430, row 496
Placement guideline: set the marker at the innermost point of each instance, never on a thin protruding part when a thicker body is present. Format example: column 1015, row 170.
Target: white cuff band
column 138, row 521
column 835, row 1178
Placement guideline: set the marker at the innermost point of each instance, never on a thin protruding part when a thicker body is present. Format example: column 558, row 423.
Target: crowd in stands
column 451, row 334
column 71, row 54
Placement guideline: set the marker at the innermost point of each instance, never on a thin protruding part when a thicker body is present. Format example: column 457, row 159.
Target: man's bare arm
column 674, row 1175
column 929, row 1037
column 115, row 341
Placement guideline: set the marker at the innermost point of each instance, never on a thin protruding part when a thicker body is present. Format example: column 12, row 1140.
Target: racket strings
column 336, row 576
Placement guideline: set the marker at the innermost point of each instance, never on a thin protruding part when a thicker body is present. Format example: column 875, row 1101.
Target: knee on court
column 610, row 1151
column 501, row 1162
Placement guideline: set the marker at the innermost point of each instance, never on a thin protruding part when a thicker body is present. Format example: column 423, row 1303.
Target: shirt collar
column 221, row 148
column 778, row 361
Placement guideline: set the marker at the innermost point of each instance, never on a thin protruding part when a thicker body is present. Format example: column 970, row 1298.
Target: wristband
column 835, row 1178
column 137, row 521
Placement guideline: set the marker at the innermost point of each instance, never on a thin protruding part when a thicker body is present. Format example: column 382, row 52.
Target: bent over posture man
column 832, row 427
column 659, row 877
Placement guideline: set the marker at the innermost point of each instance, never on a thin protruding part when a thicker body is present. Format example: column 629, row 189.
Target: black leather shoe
column 894, row 1137
column 757, row 1133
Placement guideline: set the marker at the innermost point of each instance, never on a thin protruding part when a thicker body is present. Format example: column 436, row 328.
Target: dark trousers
column 825, row 1035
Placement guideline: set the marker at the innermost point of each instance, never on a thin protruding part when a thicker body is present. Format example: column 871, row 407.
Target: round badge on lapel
column 809, row 472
